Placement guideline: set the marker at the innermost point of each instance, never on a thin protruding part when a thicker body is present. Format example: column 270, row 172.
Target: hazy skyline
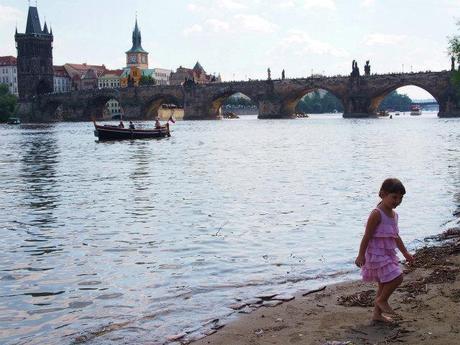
column 241, row 39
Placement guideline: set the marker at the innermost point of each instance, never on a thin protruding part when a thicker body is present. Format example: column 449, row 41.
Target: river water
column 134, row 241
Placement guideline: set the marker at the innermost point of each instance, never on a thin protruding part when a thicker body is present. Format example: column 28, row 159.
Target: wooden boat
column 110, row 132
column 14, row 121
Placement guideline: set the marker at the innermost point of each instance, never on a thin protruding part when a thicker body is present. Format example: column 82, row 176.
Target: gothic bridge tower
column 35, row 58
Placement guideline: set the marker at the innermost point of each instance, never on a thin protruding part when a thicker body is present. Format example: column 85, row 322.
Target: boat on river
column 14, row 121
column 415, row 110
column 110, row 132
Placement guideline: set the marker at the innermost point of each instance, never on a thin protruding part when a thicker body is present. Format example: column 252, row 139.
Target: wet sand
column 427, row 305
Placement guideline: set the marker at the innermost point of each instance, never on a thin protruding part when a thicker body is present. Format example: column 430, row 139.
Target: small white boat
column 415, row 110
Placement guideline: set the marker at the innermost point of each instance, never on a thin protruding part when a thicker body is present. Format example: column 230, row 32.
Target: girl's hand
column 409, row 258
column 360, row 261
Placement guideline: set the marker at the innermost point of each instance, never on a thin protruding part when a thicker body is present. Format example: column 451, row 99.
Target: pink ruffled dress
column 382, row 263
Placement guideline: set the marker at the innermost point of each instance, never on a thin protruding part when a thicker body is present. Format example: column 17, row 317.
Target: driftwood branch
column 313, row 291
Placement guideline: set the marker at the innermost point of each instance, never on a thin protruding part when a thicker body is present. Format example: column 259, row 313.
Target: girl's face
column 392, row 200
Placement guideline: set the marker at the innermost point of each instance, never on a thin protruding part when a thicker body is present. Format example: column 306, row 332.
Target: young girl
column 377, row 256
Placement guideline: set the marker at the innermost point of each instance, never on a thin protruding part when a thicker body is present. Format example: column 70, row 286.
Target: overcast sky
column 240, row 39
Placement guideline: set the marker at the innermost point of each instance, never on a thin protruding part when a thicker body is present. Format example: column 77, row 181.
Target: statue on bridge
column 283, row 76
column 269, row 74
column 355, row 69
column 367, row 68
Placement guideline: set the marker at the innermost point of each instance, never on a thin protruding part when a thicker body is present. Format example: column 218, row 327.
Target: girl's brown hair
column 392, row 185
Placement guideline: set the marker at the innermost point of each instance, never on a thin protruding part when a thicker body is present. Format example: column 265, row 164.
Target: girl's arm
column 403, row 250
column 372, row 223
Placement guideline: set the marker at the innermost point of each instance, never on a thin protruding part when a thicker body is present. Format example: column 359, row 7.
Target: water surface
column 119, row 242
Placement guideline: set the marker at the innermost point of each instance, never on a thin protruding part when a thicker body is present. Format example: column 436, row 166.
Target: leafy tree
column 7, row 103
column 147, row 80
column 315, row 103
column 454, row 45
column 396, row 101
column 238, row 100
column 454, row 50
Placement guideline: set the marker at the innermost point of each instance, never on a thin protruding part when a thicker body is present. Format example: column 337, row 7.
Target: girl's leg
column 387, row 289
column 377, row 313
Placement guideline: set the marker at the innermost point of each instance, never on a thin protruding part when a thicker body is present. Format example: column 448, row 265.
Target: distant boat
column 14, row 121
column 230, row 115
column 301, row 115
column 415, row 110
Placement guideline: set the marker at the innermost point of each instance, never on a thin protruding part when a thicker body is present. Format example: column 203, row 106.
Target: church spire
column 137, row 40
column 45, row 29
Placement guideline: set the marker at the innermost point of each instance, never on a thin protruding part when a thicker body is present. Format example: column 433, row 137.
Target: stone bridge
column 276, row 99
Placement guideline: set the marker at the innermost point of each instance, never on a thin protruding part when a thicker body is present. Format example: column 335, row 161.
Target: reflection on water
column 39, row 157
column 128, row 242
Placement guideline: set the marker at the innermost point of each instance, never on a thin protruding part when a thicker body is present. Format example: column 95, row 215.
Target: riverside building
column 9, row 74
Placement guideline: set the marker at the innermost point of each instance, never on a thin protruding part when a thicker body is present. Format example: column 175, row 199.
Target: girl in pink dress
column 377, row 255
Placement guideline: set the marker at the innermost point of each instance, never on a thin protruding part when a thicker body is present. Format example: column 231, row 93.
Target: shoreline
column 427, row 305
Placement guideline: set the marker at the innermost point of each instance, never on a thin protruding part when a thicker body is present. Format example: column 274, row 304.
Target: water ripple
column 129, row 242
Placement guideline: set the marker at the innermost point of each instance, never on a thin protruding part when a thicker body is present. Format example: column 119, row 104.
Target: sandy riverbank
column 427, row 303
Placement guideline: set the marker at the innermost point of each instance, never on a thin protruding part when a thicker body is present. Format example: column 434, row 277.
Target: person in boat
column 121, row 125
column 131, row 125
column 157, row 123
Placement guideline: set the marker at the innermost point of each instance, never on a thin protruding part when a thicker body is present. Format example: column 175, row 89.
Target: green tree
column 454, row 45
column 454, row 51
column 238, row 100
column 8, row 103
column 147, row 80
column 396, row 101
column 314, row 103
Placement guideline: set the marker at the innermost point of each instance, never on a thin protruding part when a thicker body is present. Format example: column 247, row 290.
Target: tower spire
column 137, row 39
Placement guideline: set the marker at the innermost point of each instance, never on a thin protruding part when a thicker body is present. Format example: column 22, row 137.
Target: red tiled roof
column 60, row 71
column 82, row 69
column 85, row 67
column 7, row 61
column 117, row 72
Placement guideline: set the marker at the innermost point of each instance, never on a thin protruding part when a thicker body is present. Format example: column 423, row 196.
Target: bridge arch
column 96, row 106
column 218, row 101
column 377, row 100
column 291, row 102
column 54, row 109
column 153, row 107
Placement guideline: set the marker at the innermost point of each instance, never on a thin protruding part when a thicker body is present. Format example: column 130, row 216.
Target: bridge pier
column 200, row 111
column 132, row 111
column 274, row 109
column 449, row 108
column 357, row 107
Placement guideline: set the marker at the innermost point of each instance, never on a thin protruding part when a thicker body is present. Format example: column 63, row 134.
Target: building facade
column 9, row 74
column 110, row 79
column 84, row 76
column 34, row 58
column 62, row 81
column 197, row 74
column 161, row 76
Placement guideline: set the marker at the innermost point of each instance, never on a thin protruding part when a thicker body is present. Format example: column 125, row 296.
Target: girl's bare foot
column 384, row 307
column 382, row 318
